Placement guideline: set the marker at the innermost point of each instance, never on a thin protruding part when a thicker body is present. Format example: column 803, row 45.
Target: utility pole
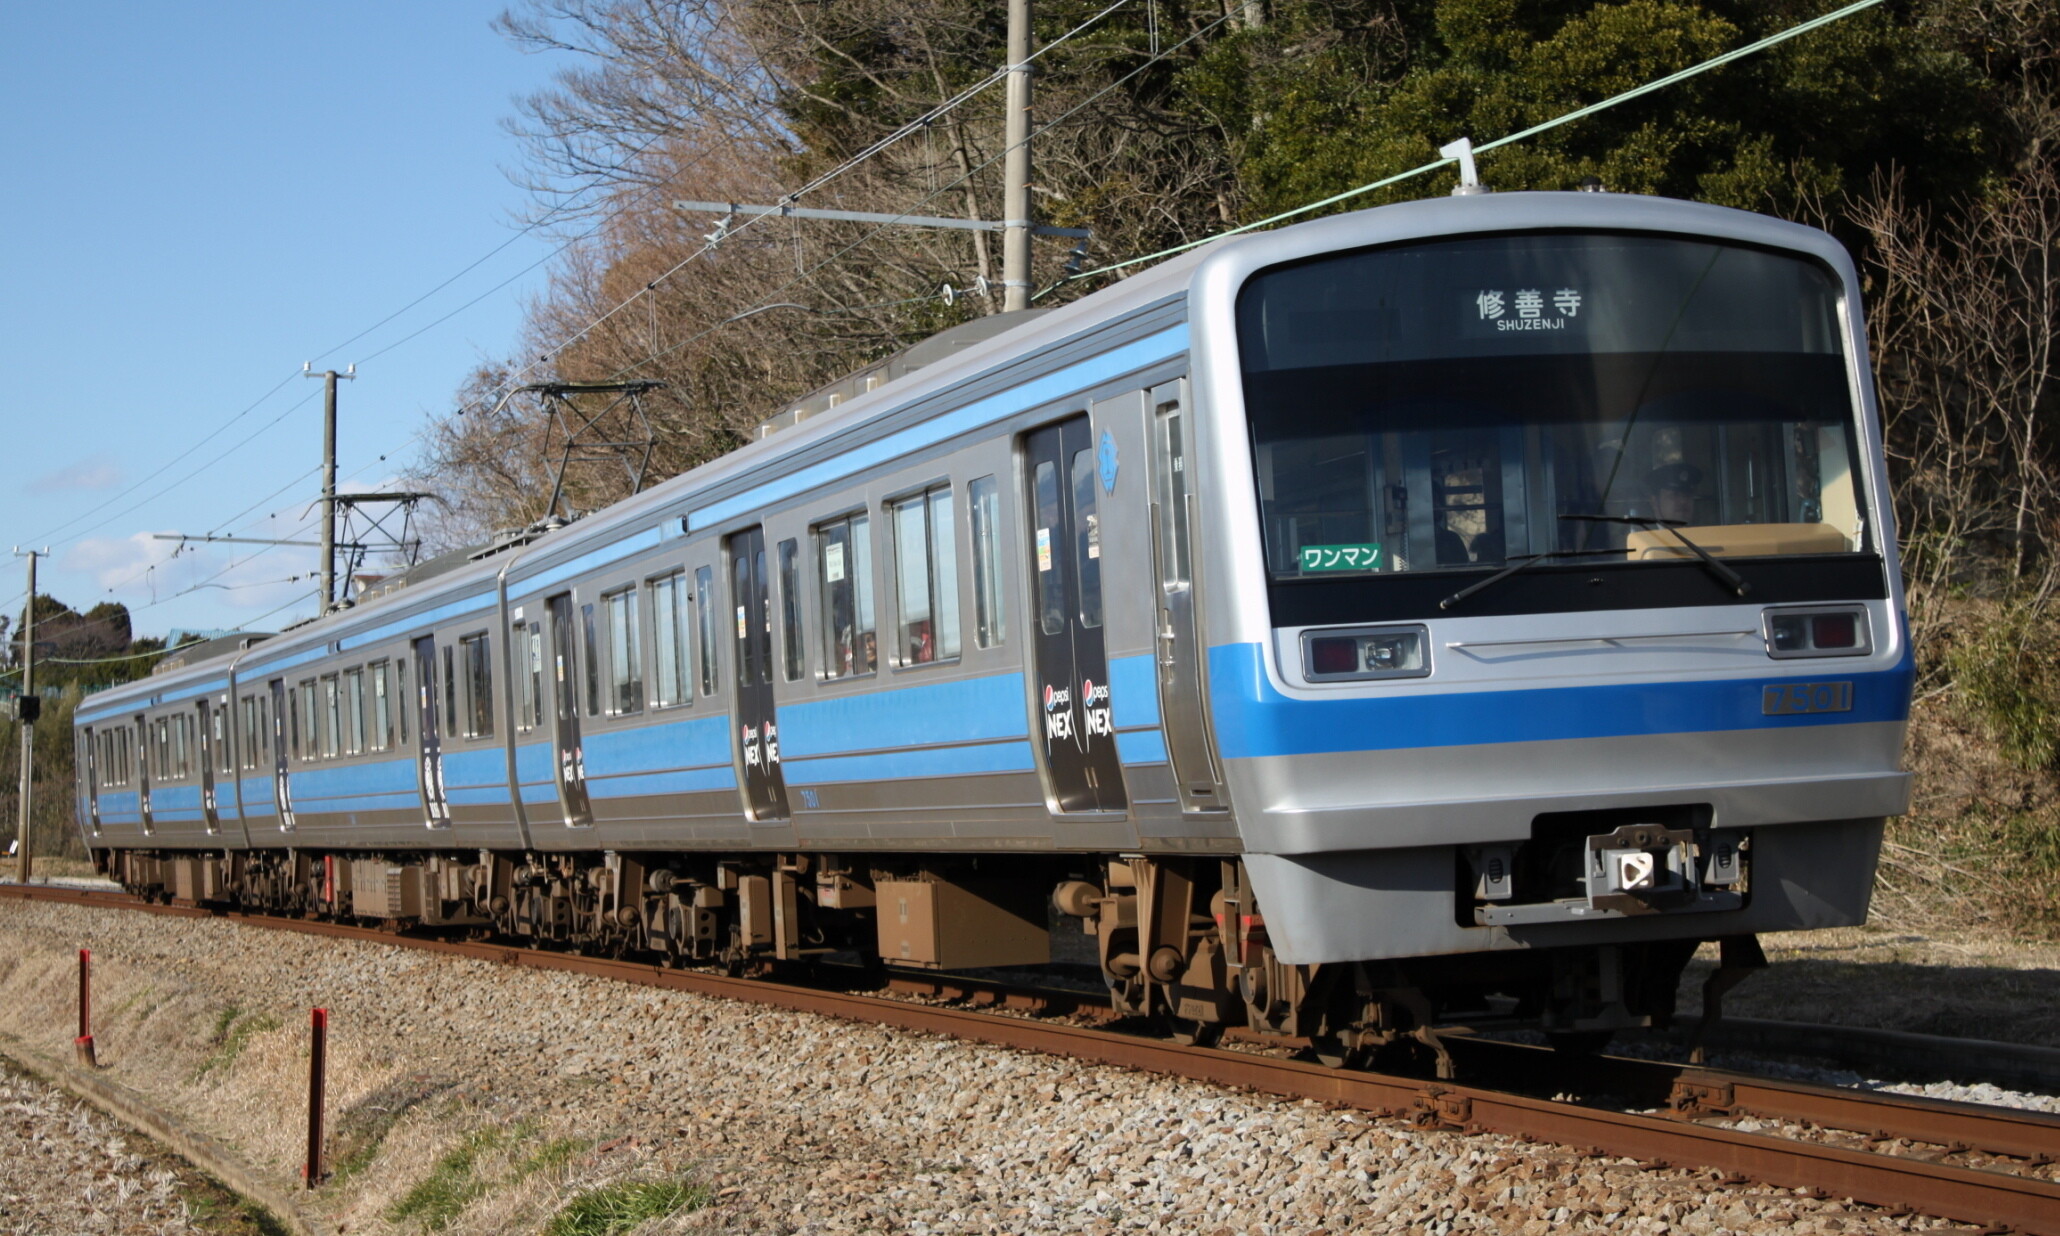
column 329, row 377
column 31, row 706
column 1016, row 221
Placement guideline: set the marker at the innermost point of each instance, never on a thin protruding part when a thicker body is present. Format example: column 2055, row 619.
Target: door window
column 1087, row 533
column 711, row 623
column 845, row 575
column 792, row 657
column 591, row 663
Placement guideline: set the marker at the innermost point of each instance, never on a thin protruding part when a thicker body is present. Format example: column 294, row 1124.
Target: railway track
column 1986, row 1165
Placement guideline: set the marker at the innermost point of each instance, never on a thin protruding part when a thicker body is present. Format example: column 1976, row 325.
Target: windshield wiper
column 1521, row 563
column 1731, row 578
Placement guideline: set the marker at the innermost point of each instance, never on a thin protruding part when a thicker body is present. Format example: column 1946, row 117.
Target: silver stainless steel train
column 1454, row 611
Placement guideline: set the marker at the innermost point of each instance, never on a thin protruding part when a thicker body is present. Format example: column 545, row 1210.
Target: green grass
column 550, row 1156
column 451, row 1185
column 363, row 1129
column 233, row 1032
column 616, row 1208
column 212, row 1208
column 135, row 997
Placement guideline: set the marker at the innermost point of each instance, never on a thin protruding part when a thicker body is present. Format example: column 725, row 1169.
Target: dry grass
column 412, row 1151
column 57, row 867
column 1980, row 850
column 1978, row 983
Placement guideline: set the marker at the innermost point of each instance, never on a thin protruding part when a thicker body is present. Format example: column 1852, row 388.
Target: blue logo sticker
column 1107, row 456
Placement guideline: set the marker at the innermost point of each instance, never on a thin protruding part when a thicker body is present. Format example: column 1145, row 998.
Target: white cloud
column 92, row 473
column 234, row 581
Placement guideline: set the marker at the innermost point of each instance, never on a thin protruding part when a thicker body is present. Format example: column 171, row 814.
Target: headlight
column 1379, row 652
column 1818, row 631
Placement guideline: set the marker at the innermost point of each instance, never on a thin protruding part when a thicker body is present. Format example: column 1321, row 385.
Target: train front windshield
column 1470, row 403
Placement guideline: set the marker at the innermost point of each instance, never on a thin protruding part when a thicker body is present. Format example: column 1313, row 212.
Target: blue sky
column 200, row 198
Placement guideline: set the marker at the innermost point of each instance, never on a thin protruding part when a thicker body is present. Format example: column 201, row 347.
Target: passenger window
column 592, row 660
column 669, row 687
column 331, row 720
column 381, row 736
column 704, row 601
column 625, row 659
column 306, row 742
column 1087, row 552
column 790, row 608
column 926, row 578
column 845, row 571
column 989, row 625
column 400, row 694
column 354, row 712
column 479, row 685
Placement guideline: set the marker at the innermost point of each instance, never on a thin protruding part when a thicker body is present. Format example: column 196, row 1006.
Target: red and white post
column 82, row 1046
column 317, row 1053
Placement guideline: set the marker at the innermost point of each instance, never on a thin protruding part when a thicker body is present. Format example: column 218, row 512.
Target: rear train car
column 1450, row 612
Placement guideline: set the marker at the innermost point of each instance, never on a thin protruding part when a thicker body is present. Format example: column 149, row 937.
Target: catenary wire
column 1578, row 114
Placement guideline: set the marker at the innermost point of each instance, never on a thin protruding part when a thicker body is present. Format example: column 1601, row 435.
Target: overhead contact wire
column 1714, row 62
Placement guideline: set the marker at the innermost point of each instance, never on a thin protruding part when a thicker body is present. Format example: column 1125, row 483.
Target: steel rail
column 1697, row 1092
column 2019, row 1203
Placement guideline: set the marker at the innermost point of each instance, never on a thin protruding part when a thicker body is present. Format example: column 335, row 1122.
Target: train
column 1452, row 613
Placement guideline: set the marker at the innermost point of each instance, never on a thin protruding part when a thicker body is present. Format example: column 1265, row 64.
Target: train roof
column 1159, row 292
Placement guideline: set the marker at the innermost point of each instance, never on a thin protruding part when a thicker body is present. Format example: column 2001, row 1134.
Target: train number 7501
column 1785, row 698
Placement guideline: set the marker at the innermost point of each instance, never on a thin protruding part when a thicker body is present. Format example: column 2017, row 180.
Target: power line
column 166, row 465
column 876, row 148
column 932, row 196
column 873, row 150
column 1714, row 62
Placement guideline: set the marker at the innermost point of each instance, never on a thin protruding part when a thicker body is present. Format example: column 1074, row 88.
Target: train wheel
column 1332, row 1052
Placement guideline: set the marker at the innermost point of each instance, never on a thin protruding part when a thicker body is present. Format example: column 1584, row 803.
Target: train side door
column 282, row 790
column 143, row 774
column 436, row 804
column 1074, row 724
column 88, row 757
column 570, row 756
column 758, row 733
column 209, row 741
column 1177, row 641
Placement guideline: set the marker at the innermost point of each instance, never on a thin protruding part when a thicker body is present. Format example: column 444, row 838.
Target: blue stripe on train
column 963, row 710
column 1141, row 746
column 1134, row 693
column 690, row 742
column 670, row 781
column 990, row 757
column 385, row 785
column 690, row 755
column 1252, row 719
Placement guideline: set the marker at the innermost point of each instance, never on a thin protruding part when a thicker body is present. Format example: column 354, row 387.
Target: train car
column 1449, row 612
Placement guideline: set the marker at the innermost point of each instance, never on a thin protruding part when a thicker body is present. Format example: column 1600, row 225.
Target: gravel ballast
column 512, row 1091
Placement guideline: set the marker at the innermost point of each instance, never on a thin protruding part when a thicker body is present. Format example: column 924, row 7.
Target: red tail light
column 1334, row 656
column 1834, row 631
